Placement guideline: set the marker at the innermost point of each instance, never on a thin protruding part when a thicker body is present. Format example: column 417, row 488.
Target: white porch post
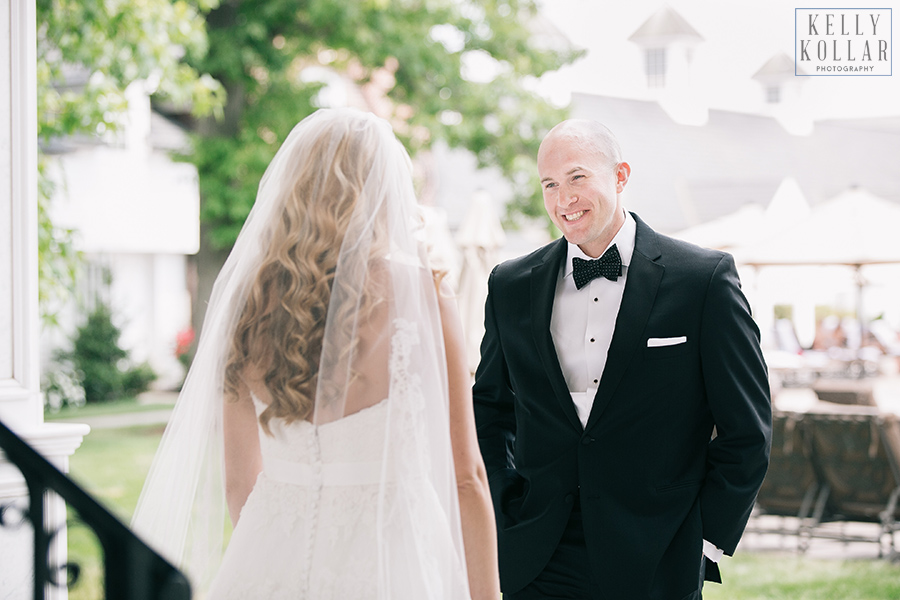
column 20, row 398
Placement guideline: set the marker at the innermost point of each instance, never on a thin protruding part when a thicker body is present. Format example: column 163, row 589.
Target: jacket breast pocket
column 655, row 352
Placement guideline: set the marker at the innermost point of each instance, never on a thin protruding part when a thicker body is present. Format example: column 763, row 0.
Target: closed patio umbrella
column 479, row 237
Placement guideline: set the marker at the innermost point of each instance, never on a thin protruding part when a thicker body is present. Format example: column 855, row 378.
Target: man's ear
column 623, row 172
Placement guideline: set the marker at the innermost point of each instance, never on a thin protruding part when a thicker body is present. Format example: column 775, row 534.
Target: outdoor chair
column 790, row 489
column 856, row 454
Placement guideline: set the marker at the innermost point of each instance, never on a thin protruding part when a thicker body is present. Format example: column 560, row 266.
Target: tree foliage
column 413, row 60
column 88, row 53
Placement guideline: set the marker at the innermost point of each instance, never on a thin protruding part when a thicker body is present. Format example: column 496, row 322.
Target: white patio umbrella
column 479, row 237
column 751, row 222
column 727, row 231
column 854, row 229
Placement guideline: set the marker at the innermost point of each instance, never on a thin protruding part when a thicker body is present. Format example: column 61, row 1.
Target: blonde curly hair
column 279, row 335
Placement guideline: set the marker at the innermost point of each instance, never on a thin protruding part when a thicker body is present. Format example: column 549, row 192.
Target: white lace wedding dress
column 320, row 525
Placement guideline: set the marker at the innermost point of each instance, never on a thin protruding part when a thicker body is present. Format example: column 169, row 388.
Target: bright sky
column 740, row 36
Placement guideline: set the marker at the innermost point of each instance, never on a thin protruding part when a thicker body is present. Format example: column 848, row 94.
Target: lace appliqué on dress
column 412, row 444
column 403, row 383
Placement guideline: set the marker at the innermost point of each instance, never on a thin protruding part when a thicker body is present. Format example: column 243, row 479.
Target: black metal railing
column 132, row 571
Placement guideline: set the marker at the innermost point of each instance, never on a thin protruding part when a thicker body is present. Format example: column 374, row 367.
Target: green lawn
column 112, row 465
column 127, row 405
column 787, row 576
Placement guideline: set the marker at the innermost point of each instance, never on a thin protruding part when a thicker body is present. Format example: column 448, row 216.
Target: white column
column 20, row 398
column 19, row 379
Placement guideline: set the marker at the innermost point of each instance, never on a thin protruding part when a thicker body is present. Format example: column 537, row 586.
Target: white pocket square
column 669, row 341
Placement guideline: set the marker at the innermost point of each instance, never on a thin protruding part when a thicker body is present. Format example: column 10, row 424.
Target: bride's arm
column 476, row 511
column 243, row 460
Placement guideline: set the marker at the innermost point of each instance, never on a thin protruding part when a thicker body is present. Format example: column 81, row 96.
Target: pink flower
column 183, row 341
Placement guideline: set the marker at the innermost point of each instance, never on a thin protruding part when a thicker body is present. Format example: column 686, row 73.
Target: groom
column 622, row 400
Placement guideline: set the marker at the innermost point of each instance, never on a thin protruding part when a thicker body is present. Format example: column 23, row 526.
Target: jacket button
column 587, row 440
column 570, row 498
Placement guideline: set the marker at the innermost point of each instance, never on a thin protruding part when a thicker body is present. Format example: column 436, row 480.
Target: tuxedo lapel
column 643, row 277
column 543, row 289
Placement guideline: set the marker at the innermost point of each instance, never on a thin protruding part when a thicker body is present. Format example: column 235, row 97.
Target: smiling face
column 582, row 178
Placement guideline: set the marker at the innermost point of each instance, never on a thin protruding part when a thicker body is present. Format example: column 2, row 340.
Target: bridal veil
column 332, row 264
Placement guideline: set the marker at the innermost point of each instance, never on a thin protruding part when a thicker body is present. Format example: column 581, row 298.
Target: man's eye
column 549, row 185
column 577, row 177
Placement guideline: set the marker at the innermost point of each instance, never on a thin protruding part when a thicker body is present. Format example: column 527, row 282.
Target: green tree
column 98, row 364
column 259, row 49
column 415, row 55
column 88, row 53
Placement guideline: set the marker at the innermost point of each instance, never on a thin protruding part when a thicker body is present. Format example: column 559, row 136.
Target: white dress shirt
column 582, row 325
column 582, row 321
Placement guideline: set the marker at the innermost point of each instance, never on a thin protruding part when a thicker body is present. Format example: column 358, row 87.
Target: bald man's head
column 586, row 135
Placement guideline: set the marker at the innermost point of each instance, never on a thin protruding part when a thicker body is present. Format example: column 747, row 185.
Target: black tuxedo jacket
column 651, row 483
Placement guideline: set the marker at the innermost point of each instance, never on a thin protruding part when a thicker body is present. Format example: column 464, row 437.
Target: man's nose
column 567, row 197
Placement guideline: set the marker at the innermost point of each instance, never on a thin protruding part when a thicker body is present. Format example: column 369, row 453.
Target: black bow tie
column 609, row 265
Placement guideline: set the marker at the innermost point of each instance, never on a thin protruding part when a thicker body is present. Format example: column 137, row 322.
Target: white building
column 135, row 213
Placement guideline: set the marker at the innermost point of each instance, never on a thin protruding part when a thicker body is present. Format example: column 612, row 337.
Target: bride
column 328, row 404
